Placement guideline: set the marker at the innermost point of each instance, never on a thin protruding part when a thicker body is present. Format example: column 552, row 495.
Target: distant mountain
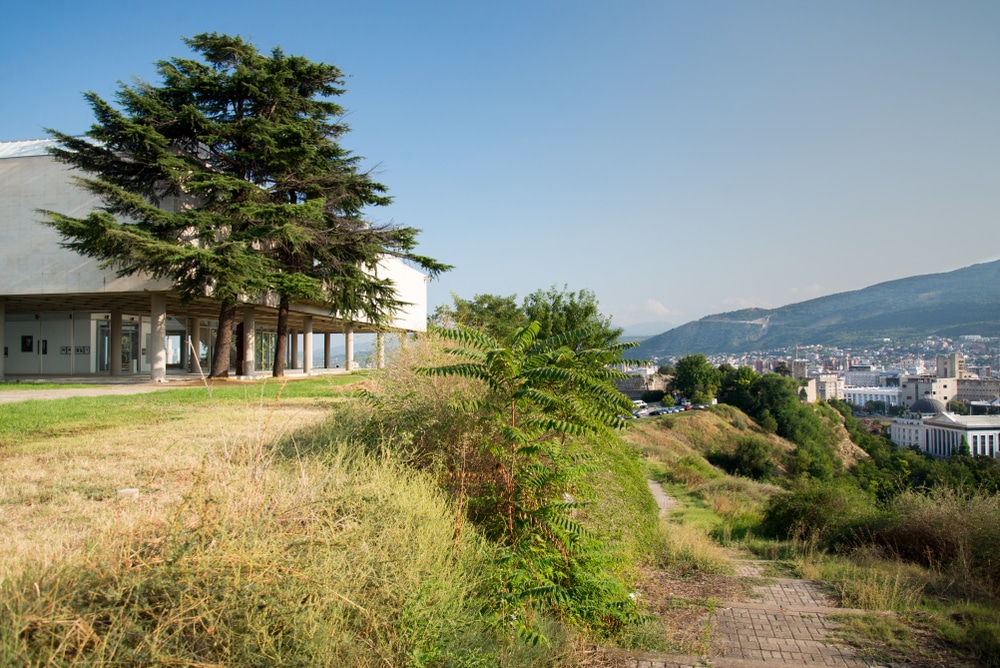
column 965, row 301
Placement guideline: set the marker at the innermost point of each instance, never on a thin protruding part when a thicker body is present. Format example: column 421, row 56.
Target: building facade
column 915, row 388
column 859, row 396
column 62, row 314
column 978, row 390
column 931, row 429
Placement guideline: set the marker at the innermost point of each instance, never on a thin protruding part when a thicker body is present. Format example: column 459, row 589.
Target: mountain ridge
column 963, row 301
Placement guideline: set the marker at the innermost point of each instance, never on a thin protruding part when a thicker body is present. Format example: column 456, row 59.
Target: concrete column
column 293, row 340
column 307, row 346
column 249, row 342
column 115, row 351
column 326, row 350
column 158, row 338
column 194, row 352
column 349, row 347
column 3, row 335
column 380, row 350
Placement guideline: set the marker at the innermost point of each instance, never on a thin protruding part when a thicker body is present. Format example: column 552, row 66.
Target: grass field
column 64, row 461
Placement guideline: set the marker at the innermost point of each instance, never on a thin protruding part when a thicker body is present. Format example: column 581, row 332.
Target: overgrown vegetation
column 480, row 508
column 509, row 438
column 481, row 512
column 897, row 531
column 299, row 549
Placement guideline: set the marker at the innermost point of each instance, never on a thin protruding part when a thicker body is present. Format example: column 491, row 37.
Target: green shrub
column 519, row 433
column 691, row 470
column 754, row 457
column 827, row 511
column 652, row 396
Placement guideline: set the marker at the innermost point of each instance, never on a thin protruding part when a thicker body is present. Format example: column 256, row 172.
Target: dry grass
column 687, row 547
column 55, row 493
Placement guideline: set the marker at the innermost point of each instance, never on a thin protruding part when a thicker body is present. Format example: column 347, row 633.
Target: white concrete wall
column 411, row 287
column 34, row 261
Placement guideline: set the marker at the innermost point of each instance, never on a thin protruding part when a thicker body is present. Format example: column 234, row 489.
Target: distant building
column 859, row 396
column 914, row 388
column 641, row 380
column 944, row 433
column 829, row 386
column 951, row 366
column 861, row 378
column 978, row 389
column 929, row 427
column 809, row 392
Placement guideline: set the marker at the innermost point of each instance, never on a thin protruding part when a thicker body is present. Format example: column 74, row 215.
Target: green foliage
column 754, row 457
column 556, row 312
column 874, row 407
column 228, row 179
column 653, row 396
column 689, row 470
column 540, row 396
column 827, row 511
column 958, row 407
column 696, row 379
column 773, row 401
column 494, row 315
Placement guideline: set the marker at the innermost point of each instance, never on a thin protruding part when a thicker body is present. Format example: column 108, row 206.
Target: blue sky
column 676, row 158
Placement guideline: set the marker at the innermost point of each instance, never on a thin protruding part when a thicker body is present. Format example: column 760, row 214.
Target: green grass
column 881, row 638
column 685, row 535
column 691, row 508
column 51, row 418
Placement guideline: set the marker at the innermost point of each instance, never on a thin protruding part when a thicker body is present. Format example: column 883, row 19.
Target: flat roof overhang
column 205, row 308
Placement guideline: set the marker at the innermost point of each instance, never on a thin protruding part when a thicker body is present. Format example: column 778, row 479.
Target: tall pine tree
column 229, row 179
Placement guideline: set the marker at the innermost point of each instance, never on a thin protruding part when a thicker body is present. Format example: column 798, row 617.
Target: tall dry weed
column 341, row 560
column 953, row 533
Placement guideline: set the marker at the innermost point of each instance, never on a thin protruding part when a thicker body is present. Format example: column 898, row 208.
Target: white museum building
column 61, row 314
column 930, row 428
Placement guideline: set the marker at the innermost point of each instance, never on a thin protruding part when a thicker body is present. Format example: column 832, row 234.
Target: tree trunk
column 281, row 343
column 223, row 340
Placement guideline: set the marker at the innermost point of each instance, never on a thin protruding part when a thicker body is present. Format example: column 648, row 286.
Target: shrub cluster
column 521, row 435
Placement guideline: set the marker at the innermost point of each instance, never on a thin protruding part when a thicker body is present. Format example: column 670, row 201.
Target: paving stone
column 788, row 624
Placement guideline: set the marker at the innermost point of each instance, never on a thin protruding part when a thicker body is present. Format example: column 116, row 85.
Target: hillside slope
column 666, row 439
column 966, row 301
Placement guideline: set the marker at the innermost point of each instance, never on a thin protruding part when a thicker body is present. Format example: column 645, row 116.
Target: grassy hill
column 672, row 441
column 966, row 301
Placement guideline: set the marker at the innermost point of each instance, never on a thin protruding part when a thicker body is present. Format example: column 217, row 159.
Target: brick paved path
column 787, row 624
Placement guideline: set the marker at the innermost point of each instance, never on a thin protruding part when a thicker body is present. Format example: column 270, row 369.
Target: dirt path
column 784, row 622
column 12, row 396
